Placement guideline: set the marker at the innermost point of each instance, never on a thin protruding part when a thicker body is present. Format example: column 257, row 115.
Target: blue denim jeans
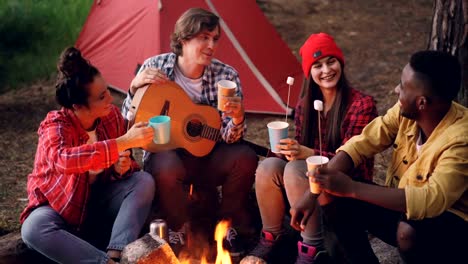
column 279, row 183
column 231, row 166
column 117, row 210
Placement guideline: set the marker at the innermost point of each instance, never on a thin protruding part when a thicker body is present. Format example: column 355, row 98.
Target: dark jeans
column 442, row 239
column 231, row 166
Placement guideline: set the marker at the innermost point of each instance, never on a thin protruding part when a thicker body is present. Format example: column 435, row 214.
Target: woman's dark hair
column 310, row 128
column 74, row 76
column 189, row 24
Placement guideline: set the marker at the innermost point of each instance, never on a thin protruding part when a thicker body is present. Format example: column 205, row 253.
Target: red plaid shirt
column 361, row 111
column 63, row 159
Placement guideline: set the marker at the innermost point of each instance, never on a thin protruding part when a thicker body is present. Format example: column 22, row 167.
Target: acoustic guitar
column 194, row 127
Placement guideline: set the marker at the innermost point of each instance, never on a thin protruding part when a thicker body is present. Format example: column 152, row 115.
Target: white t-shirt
column 193, row 87
column 419, row 143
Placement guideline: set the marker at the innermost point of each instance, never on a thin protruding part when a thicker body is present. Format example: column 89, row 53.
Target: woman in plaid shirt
column 86, row 193
column 345, row 113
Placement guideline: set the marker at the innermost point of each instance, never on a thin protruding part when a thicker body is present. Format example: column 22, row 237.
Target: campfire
column 222, row 256
column 152, row 249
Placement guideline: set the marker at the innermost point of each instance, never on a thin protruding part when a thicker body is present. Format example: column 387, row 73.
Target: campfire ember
column 151, row 249
column 222, row 256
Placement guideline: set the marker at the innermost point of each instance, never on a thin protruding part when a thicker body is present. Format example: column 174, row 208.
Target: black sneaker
column 232, row 243
column 263, row 249
column 177, row 239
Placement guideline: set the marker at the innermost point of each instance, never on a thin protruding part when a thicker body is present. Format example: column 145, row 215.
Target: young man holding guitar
column 231, row 165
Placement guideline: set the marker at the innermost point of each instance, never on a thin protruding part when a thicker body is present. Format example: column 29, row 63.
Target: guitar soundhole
column 194, row 128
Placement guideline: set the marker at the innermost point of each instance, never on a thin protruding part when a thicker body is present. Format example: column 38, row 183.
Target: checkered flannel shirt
column 360, row 112
column 63, row 159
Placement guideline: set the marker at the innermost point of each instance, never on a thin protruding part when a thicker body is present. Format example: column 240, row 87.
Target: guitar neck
column 210, row 133
column 259, row 150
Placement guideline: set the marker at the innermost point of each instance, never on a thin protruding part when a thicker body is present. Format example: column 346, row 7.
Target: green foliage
column 33, row 33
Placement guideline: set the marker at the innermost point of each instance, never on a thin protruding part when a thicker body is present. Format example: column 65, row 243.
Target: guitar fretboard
column 210, row 133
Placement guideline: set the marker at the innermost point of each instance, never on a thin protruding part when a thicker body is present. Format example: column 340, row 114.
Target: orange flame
column 188, row 261
column 222, row 256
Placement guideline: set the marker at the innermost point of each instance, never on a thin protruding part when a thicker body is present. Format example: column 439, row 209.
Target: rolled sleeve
column 444, row 187
column 414, row 197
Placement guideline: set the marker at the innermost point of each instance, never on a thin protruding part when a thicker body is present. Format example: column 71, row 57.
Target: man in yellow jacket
column 426, row 216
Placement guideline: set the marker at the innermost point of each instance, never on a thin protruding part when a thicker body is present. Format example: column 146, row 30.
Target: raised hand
column 139, row 135
column 234, row 108
column 147, row 76
column 292, row 150
column 333, row 181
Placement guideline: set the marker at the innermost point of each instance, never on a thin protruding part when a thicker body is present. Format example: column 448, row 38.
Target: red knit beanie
column 316, row 47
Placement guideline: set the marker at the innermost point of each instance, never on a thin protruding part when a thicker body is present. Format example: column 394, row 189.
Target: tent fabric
column 119, row 35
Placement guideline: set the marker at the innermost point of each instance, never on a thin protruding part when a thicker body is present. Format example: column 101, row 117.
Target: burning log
column 149, row 249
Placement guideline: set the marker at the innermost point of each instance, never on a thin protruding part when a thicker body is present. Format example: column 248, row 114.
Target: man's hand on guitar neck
column 147, row 76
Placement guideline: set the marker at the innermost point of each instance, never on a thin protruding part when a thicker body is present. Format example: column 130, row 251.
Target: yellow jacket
column 436, row 179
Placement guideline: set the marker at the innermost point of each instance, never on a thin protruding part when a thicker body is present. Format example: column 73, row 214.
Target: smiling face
column 326, row 72
column 99, row 98
column 409, row 92
column 201, row 48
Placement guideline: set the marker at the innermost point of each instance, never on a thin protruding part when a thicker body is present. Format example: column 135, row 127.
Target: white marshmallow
column 130, row 116
column 318, row 105
column 290, row 80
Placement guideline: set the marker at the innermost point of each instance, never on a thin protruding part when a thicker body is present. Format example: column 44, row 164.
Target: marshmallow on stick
column 318, row 105
column 289, row 81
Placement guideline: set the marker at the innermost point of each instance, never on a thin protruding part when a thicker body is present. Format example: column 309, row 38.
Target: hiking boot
column 262, row 250
column 307, row 254
column 232, row 243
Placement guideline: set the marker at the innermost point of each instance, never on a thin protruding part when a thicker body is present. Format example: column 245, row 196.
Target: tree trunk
column 449, row 33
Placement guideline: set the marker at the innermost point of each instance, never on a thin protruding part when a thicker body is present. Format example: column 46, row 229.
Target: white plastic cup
column 162, row 128
column 277, row 130
column 226, row 89
column 313, row 162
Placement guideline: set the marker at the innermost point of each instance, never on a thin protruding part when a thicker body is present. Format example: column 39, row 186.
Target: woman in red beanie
column 345, row 113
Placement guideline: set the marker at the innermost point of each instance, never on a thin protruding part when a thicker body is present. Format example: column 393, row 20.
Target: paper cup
column 277, row 130
column 313, row 162
column 162, row 128
column 226, row 89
